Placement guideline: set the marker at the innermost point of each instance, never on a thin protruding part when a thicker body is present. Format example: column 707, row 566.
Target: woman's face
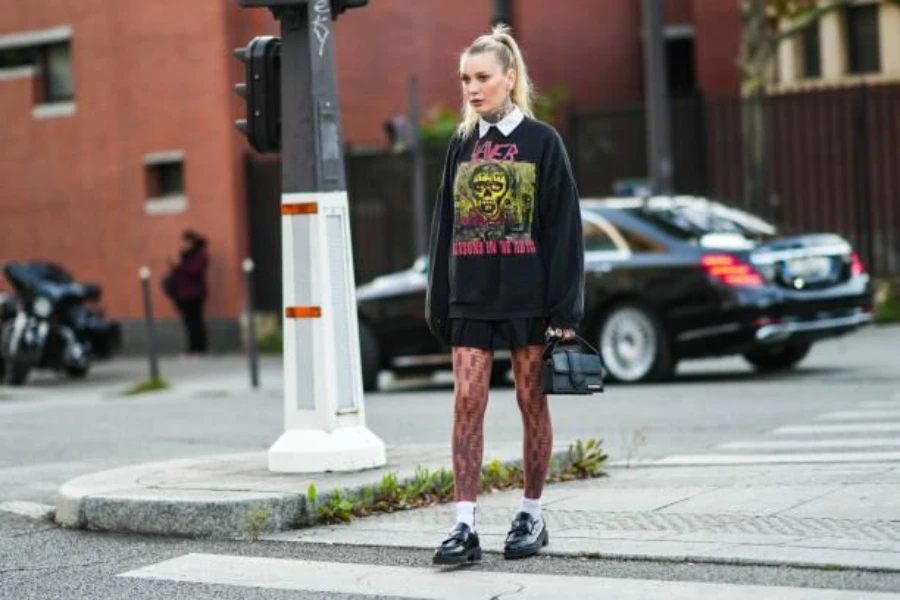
column 484, row 84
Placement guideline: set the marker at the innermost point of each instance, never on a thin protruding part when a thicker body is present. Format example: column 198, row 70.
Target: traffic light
column 262, row 91
column 339, row 6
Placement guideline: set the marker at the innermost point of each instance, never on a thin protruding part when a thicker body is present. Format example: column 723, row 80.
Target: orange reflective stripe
column 303, row 312
column 300, row 208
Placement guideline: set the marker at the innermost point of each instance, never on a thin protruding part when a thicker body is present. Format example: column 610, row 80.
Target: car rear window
column 694, row 219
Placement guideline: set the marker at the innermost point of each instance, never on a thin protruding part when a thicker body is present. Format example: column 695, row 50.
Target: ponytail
column 501, row 42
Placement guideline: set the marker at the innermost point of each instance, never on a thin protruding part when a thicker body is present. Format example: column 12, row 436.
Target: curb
column 116, row 501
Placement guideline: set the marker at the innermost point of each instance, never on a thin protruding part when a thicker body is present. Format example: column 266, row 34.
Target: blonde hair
column 501, row 42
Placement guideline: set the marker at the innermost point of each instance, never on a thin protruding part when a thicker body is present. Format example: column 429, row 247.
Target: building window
column 812, row 52
column 165, row 182
column 166, row 179
column 14, row 58
column 863, row 55
column 53, row 67
column 56, row 72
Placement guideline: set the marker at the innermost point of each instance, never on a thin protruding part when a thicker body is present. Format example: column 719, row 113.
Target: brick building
column 117, row 118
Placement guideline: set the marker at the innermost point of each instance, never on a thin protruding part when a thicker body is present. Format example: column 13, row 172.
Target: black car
column 667, row 278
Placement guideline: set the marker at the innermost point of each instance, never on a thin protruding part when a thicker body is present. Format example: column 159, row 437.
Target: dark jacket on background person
column 506, row 233
column 189, row 275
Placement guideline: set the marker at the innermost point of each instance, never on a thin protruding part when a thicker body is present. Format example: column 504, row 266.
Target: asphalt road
column 54, row 430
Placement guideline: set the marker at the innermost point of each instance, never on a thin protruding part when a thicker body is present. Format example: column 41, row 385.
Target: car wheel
column 633, row 345
column 779, row 358
column 369, row 356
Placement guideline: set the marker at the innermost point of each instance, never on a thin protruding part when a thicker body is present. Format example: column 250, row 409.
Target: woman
column 506, row 260
column 188, row 287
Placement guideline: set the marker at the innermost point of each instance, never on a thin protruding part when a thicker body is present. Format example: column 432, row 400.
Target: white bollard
column 325, row 425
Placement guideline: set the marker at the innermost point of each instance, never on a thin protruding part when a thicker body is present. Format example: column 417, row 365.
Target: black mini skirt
column 507, row 334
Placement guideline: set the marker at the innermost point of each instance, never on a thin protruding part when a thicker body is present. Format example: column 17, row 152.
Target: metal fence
column 381, row 217
column 835, row 166
column 834, row 157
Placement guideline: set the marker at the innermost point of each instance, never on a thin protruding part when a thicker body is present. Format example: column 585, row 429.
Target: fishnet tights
column 471, row 381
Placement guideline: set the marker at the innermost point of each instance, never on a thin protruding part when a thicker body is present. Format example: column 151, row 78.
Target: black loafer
column 460, row 548
column 526, row 537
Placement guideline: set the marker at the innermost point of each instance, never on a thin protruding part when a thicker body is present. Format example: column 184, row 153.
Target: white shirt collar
column 506, row 125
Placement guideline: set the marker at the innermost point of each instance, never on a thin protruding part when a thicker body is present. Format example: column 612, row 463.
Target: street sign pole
column 324, row 412
column 657, row 100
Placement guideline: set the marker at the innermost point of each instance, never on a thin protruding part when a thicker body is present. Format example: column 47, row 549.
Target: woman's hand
column 563, row 334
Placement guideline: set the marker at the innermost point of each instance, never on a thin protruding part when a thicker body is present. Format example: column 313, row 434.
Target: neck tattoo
column 498, row 115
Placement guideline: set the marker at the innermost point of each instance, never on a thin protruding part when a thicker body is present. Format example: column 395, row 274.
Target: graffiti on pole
column 322, row 24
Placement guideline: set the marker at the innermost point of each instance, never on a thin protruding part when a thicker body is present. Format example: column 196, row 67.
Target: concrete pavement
column 826, row 515
column 814, row 490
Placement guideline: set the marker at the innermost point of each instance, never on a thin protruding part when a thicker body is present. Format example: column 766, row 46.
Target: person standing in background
column 186, row 285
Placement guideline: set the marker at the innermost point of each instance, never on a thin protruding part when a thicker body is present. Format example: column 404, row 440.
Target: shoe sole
column 473, row 556
column 511, row 554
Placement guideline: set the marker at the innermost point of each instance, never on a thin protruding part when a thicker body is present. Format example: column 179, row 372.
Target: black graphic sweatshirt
column 506, row 237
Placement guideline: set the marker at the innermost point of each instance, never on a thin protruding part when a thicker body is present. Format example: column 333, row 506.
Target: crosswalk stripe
column 880, row 404
column 812, row 444
column 850, row 415
column 839, row 428
column 433, row 584
column 749, row 459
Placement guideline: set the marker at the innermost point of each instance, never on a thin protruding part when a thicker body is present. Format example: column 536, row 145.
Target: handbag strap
column 550, row 347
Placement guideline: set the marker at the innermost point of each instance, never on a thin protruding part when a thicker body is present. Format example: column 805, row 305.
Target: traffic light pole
column 323, row 397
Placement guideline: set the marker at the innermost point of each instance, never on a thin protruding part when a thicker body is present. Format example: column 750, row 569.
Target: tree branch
column 809, row 16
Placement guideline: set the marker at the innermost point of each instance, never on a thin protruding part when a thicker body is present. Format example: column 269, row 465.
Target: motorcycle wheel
column 77, row 372
column 17, row 373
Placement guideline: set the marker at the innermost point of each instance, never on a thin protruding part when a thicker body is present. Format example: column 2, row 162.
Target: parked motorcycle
column 54, row 323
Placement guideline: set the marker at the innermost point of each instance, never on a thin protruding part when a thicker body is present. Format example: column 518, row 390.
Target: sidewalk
column 824, row 515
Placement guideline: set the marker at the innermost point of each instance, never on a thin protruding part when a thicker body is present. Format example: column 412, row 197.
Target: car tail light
column 730, row 270
column 856, row 267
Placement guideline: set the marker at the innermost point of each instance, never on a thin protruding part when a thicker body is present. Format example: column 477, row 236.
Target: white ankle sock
column 532, row 507
column 465, row 513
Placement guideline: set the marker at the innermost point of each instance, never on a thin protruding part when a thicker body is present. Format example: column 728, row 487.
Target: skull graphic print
column 494, row 207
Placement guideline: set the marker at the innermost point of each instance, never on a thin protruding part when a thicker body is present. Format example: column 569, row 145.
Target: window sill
column 812, row 85
column 166, row 205
column 53, row 110
column 11, row 74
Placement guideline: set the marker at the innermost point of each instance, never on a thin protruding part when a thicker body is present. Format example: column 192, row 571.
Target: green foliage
column 339, row 509
column 438, row 126
column 256, row 521
column 144, row 387
column 271, row 343
column 549, row 106
column 427, row 488
column 585, row 459
column 633, row 443
column 888, row 310
column 496, row 476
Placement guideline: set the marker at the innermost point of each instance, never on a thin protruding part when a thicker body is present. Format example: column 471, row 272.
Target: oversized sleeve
column 561, row 242
column 437, row 295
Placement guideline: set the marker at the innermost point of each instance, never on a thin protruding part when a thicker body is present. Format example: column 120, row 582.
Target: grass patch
column 256, row 521
column 271, row 343
column 428, row 488
column 887, row 311
column 148, row 386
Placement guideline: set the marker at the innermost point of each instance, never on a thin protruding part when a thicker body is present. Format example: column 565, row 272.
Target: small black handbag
column 568, row 370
